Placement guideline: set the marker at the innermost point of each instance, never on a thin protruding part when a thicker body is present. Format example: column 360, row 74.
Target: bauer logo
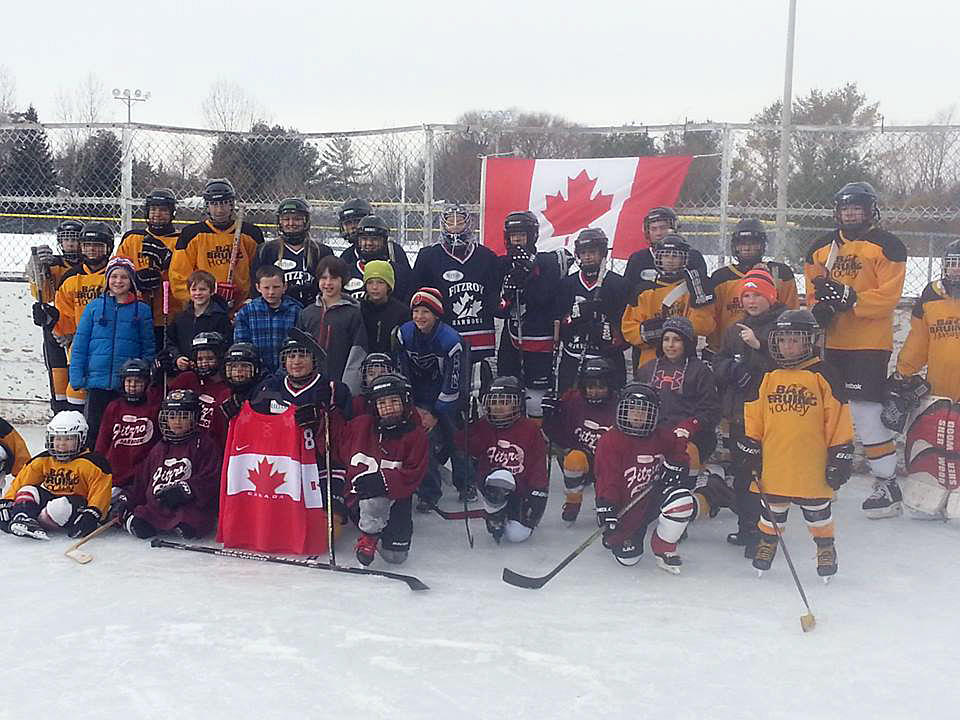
column 453, row 275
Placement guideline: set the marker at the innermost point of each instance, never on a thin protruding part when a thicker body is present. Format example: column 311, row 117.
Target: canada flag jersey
column 127, row 434
column 518, row 449
column 271, row 494
column 579, row 425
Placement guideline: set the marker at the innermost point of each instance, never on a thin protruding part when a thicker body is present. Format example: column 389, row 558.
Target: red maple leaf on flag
column 264, row 477
column 579, row 209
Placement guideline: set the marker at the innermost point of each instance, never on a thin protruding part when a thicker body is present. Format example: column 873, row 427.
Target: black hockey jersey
column 640, row 267
column 299, row 266
column 470, row 292
column 402, row 273
column 601, row 331
column 539, row 301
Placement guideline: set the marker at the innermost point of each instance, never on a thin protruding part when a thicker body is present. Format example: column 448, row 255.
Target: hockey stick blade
column 309, row 562
column 459, row 514
column 76, row 554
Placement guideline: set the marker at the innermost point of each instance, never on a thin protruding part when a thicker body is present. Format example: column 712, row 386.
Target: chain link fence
column 103, row 171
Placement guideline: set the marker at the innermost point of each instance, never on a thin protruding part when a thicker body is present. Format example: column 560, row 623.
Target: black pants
column 748, row 503
column 534, row 371
column 97, row 401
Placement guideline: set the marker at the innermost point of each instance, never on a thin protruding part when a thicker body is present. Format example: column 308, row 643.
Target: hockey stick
column 166, row 321
column 520, row 340
column 331, row 554
column 466, row 450
column 74, row 553
column 235, row 250
column 308, row 562
column 40, row 281
column 535, row 583
column 556, row 386
column 459, row 514
column 807, row 621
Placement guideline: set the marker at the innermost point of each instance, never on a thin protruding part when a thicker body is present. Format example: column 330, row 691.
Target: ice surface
column 154, row 633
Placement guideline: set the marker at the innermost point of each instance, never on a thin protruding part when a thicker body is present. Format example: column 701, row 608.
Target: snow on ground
column 150, row 633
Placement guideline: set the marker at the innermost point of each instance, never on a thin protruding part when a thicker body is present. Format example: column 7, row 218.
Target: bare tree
column 85, row 103
column 8, row 91
column 230, row 108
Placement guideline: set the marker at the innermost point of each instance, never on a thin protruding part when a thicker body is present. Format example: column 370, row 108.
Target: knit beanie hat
column 429, row 298
column 684, row 328
column 379, row 270
column 759, row 281
column 121, row 264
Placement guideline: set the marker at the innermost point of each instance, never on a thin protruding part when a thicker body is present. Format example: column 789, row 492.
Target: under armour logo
column 673, row 381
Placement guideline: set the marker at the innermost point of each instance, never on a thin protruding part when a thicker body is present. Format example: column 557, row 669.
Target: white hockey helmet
column 66, row 424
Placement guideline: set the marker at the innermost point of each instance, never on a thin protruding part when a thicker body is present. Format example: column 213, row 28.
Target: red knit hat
column 760, row 282
column 429, row 298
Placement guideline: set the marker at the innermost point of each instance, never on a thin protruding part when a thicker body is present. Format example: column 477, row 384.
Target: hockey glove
column 700, row 293
column 823, row 312
column 149, row 279
column 86, row 521
column 227, row 291
column 586, row 311
column 740, row 374
column 45, row 315
column 550, row 404
column 309, row 415
column 841, row 297
column 370, row 485
column 608, row 521
column 119, row 504
column 839, row 464
column 672, row 475
column 651, row 330
column 6, row 510
column 156, row 252
column 232, row 406
column 496, row 525
column 165, row 362
column 174, row 495
column 532, row 507
column 749, row 455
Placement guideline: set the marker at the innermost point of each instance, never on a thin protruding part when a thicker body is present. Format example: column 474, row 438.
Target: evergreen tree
column 29, row 169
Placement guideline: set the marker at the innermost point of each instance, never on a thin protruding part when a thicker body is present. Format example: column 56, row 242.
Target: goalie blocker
column 932, row 487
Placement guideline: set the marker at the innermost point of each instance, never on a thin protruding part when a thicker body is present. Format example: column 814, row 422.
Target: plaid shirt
column 266, row 327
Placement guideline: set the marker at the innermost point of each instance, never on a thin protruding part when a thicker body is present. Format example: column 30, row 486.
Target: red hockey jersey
column 212, row 393
column 518, row 448
column 577, row 424
column 127, row 434
column 271, row 496
column 627, row 466
column 401, row 457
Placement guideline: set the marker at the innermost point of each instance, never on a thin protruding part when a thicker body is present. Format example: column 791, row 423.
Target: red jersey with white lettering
column 212, row 394
column 128, row 432
column 518, row 449
column 577, row 424
column 400, row 456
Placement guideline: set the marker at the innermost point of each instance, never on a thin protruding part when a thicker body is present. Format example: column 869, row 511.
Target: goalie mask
column 638, row 410
column 504, row 402
column 670, row 256
column 859, row 195
column 241, row 365
column 389, row 397
column 749, row 242
column 179, row 414
column 594, row 382
column 134, row 379
column 794, row 338
column 951, row 269
column 68, row 238
column 456, row 228
column 207, row 349
column 658, row 223
column 373, row 366
column 66, row 435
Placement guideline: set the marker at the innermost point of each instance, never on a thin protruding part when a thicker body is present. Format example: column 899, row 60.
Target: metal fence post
column 126, row 178
column 427, row 185
column 726, row 160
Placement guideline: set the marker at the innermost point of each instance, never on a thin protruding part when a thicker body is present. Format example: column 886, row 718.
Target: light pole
column 785, row 120
column 125, row 96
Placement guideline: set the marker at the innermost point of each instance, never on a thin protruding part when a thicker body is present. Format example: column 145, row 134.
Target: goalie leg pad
column 952, row 508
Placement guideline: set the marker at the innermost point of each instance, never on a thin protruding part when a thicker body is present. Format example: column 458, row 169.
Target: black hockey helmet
column 372, row 226
column 176, row 405
column 386, row 386
column 659, row 214
column 504, row 401
column 800, row 335
column 161, row 197
column 69, row 231
column 218, row 190
column 638, row 409
column 135, row 368
column 97, row 232
column 597, row 375
column 298, row 341
column 373, row 366
column 351, row 212
column 294, row 206
column 521, row 222
column 591, row 239
column 859, row 194
column 951, row 269
column 672, row 246
column 456, row 226
column 212, row 341
column 241, row 365
column 749, row 241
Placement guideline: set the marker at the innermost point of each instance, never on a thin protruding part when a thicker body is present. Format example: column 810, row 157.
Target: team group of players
column 729, row 353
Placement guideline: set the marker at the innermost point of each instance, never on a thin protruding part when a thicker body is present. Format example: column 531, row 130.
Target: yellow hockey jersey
column 79, row 287
column 87, row 475
column 726, row 295
column 874, row 266
column 131, row 247
column 796, row 414
column 52, row 277
column 934, row 341
column 649, row 306
column 16, row 448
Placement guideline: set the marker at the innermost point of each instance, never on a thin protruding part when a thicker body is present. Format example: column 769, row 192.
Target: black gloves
column 174, row 495
column 86, row 521
column 370, row 485
column 839, row 464
column 149, row 279
column 156, row 252
column 841, row 297
column 45, row 315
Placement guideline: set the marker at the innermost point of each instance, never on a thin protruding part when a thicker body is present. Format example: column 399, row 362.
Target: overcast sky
column 354, row 65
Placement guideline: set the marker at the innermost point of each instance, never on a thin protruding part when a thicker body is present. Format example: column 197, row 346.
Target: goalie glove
column 839, row 464
column 841, row 297
column 700, row 293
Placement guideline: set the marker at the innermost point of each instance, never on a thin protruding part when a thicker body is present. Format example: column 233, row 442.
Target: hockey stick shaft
column 39, row 280
column 459, row 514
column 467, row 481
column 166, row 323
column 331, row 554
column 412, row 582
column 235, row 249
column 83, row 558
column 535, row 583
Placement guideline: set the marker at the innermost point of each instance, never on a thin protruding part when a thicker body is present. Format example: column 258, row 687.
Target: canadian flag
column 612, row 194
column 271, row 495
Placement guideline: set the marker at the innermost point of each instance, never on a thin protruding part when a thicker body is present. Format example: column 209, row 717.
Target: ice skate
column 669, row 562
column 765, row 552
column 22, row 525
column 366, row 548
column 885, row 501
column 826, row 558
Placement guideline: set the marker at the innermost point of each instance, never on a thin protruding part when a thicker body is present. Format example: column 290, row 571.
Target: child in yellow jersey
column 798, row 439
column 65, row 487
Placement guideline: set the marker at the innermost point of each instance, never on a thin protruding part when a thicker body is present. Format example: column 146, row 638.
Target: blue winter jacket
column 433, row 364
column 108, row 335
